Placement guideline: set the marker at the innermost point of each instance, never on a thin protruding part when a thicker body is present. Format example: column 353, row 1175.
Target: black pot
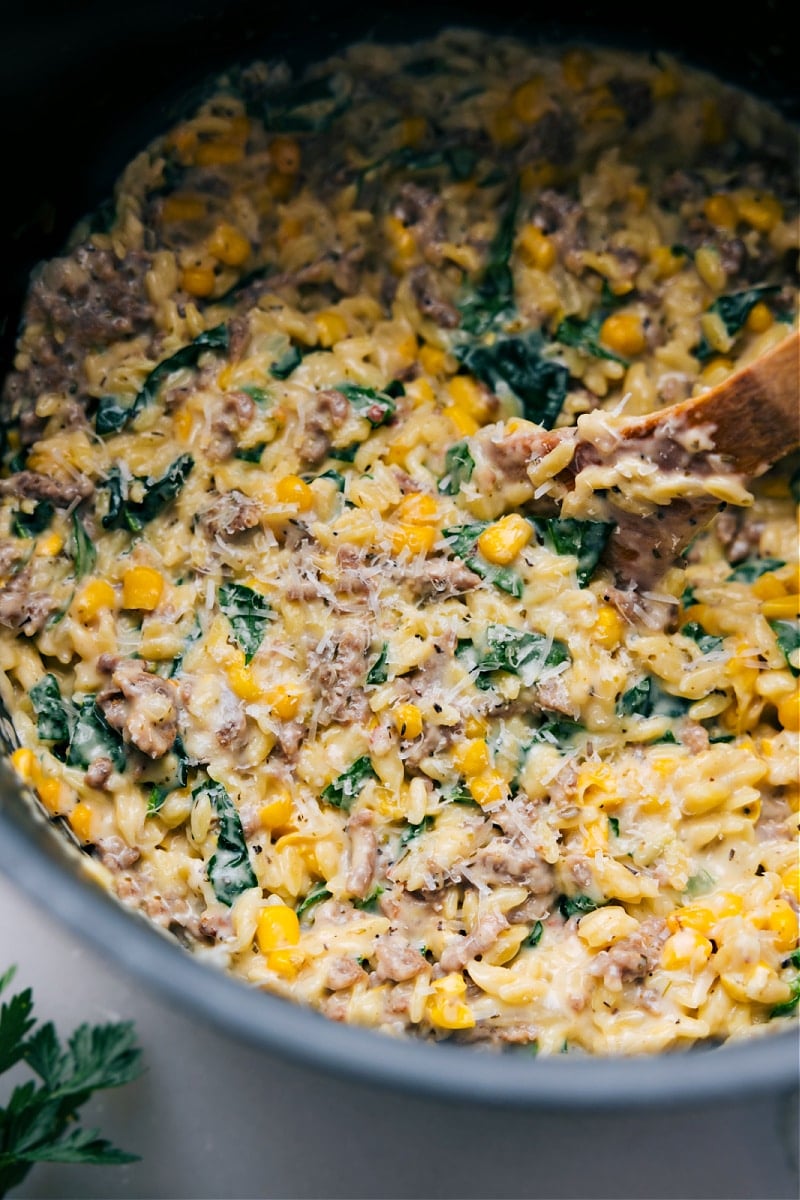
column 81, row 90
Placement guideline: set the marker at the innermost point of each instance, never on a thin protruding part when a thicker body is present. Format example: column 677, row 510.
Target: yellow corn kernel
column 762, row 211
column 575, row 68
column 401, row 238
column 229, row 245
column 468, row 395
column 715, row 371
column 464, row 423
column 416, row 539
column 759, row 319
column 418, row 508
column 285, row 155
column 284, row 702
column 94, row 597
column 278, row 808
column 242, row 682
column 502, row 541
column 781, row 608
column 768, row 586
column 529, row 100
column 24, row 763
column 142, row 587
column 49, row 546
column 81, row 821
column 472, row 757
column 183, row 423
column 218, row 153
column 289, row 229
column 782, row 921
column 623, row 333
column 692, row 916
column 294, row 490
column 488, row 788
column 419, row 391
column 791, row 881
column 407, row 721
column 277, row 928
column 537, row 248
column 432, row 359
column 721, row 211
column 503, row 127
column 666, row 263
column 198, row 281
column 180, row 207
column 52, row 794
column 446, row 1007
column 413, row 130
column 684, row 948
column 708, row 265
column 608, row 627
column 331, row 327
column 789, row 712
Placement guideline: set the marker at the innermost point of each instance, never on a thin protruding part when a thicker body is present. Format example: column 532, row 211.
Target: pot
column 82, row 91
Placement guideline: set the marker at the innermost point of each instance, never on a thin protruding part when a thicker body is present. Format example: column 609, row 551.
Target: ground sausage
column 363, row 855
column 458, row 953
column 143, row 707
column 396, row 959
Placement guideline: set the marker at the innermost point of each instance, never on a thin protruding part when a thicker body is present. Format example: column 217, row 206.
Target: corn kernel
column 472, row 757
column 183, row 423
column 763, row 212
column 198, row 281
column 684, row 948
column 623, row 333
column 401, row 238
column 413, row 130
column 218, row 153
column 708, row 265
column 488, row 788
column 468, row 395
column 418, row 508
column 52, row 793
column 759, row 319
column 529, row 100
column 782, row 921
column 791, row 881
column 789, row 712
column 178, row 207
column 432, row 359
column 608, row 627
column 575, row 68
column 408, row 721
column 476, row 727
column 721, row 211
column 285, row 155
column 24, row 763
column 277, row 928
column 536, row 248
column 284, row 702
column 463, row 421
column 416, row 539
column 278, row 809
column 666, row 263
column 229, row 245
column 419, row 391
column 94, row 597
column 502, row 541
column 289, row 229
column 768, row 586
column 49, row 546
column 715, row 371
column 242, row 682
column 142, row 587
column 294, row 490
column 81, row 821
column 332, row 328
column 446, row 1007
column 781, row 608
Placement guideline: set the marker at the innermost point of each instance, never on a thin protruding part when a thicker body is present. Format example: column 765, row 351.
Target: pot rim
column 36, row 859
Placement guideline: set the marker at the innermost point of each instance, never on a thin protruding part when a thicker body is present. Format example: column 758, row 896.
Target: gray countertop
column 212, row 1118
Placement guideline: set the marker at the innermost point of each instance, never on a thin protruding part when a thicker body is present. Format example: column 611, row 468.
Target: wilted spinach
column 787, row 635
column 92, row 737
column 522, row 652
column 585, row 539
column 229, row 869
column 55, row 716
column 517, row 365
column 491, row 302
column 734, row 309
column 343, row 790
column 26, row 525
column 249, row 614
column 585, row 336
column 378, row 407
column 378, row 672
column 459, row 465
column 125, row 513
column 81, row 548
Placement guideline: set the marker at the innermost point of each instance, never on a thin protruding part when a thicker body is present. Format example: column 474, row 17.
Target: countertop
column 212, row 1118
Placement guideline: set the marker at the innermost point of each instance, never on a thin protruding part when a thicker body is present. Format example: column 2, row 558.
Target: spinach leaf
column 26, row 525
column 82, row 549
column 229, row 870
column 753, row 568
column 259, row 394
column 252, row 454
column 535, row 935
column 559, row 733
column 180, row 775
column 700, row 884
column 414, row 831
column 491, row 302
column 336, row 477
column 459, row 793
column 317, row 894
column 243, row 282
column 570, row 906
column 345, row 453
column 585, row 336
column 370, row 902
column 516, row 365
column 343, row 790
column 734, row 309
column 647, row 698
column 124, row 513
column 788, row 1006
column 92, row 737
column 707, row 642
column 284, row 366
column 378, row 672
column 249, row 614
column 378, row 407
column 309, row 106
column 459, row 465
column 520, row 651
column 787, row 635
column 112, row 416
column 55, row 716
column 585, row 539
column 462, row 540
column 613, row 825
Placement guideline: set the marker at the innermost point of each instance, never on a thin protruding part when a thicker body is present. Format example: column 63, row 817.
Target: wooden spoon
column 753, row 420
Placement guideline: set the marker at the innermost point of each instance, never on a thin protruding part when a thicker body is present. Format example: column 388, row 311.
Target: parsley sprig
column 38, row 1122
